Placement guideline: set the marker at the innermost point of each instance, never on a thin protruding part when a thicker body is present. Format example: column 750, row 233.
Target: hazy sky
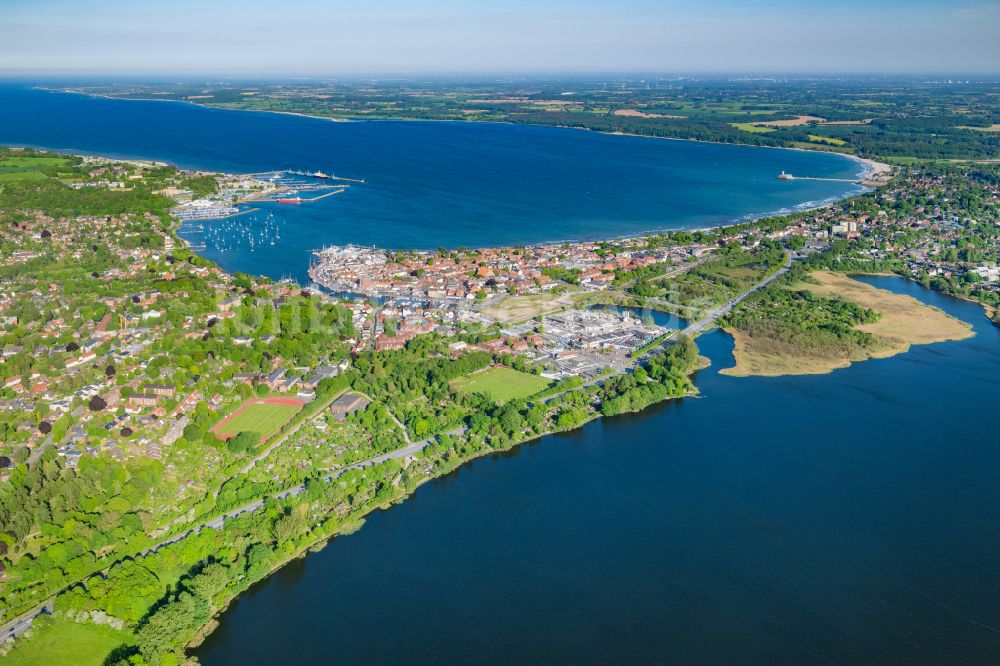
column 331, row 37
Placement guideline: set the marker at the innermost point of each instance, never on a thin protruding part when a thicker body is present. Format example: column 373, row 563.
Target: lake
column 843, row 518
column 430, row 184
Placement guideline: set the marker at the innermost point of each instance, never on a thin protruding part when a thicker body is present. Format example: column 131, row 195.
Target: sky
column 338, row 38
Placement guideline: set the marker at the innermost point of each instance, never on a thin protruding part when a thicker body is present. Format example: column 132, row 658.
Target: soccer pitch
column 265, row 416
column 501, row 384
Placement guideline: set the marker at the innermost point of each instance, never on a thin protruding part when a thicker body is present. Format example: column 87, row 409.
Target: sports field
column 263, row 415
column 501, row 384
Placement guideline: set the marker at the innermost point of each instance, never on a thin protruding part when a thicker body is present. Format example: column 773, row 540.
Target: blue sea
column 430, row 184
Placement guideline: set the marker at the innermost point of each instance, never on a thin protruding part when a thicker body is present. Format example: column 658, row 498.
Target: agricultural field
column 17, row 167
column 501, row 384
column 951, row 123
column 750, row 127
column 995, row 127
column 826, row 139
column 262, row 415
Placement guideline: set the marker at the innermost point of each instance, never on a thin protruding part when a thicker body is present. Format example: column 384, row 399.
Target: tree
column 171, row 625
column 21, row 455
column 288, row 527
column 211, row 580
column 244, row 441
column 510, row 419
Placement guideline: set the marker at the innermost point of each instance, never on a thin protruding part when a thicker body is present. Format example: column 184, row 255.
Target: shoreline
column 734, row 222
column 322, row 541
column 871, row 167
column 358, row 521
column 875, row 166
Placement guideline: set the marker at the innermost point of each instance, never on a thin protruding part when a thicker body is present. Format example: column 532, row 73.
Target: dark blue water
column 845, row 518
column 431, row 184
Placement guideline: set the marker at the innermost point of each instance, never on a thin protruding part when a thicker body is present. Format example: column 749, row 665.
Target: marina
column 253, row 230
column 283, row 187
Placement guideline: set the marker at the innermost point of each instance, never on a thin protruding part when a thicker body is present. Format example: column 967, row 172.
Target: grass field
column 66, row 643
column 905, row 321
column 749, row 127
column 827, row 140
column 265, row 416
column 19, row 168
column 501, row 384
column 995, row 127
column 18, row 162
column 8, row 176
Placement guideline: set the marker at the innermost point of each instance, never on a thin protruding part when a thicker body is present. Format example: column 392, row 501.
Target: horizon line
column 498, row 74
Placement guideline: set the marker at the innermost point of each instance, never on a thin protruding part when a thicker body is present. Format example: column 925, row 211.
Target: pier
column 788, row 176
column 321, row 175
column 335, row 189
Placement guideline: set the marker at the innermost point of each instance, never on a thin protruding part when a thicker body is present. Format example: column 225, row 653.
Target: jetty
column 322, row 176
column 287, row 198
column 787, row 176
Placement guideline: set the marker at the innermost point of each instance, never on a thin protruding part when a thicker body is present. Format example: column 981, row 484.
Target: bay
column 430, row 184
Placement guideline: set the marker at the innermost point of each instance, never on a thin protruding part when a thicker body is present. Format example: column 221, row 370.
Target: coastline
column 875, row 166
column 358, row 521
column 869, row 167
column 733, row 222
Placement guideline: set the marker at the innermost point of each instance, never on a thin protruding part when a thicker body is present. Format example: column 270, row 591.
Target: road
column 22, row 622
column 710, row 318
